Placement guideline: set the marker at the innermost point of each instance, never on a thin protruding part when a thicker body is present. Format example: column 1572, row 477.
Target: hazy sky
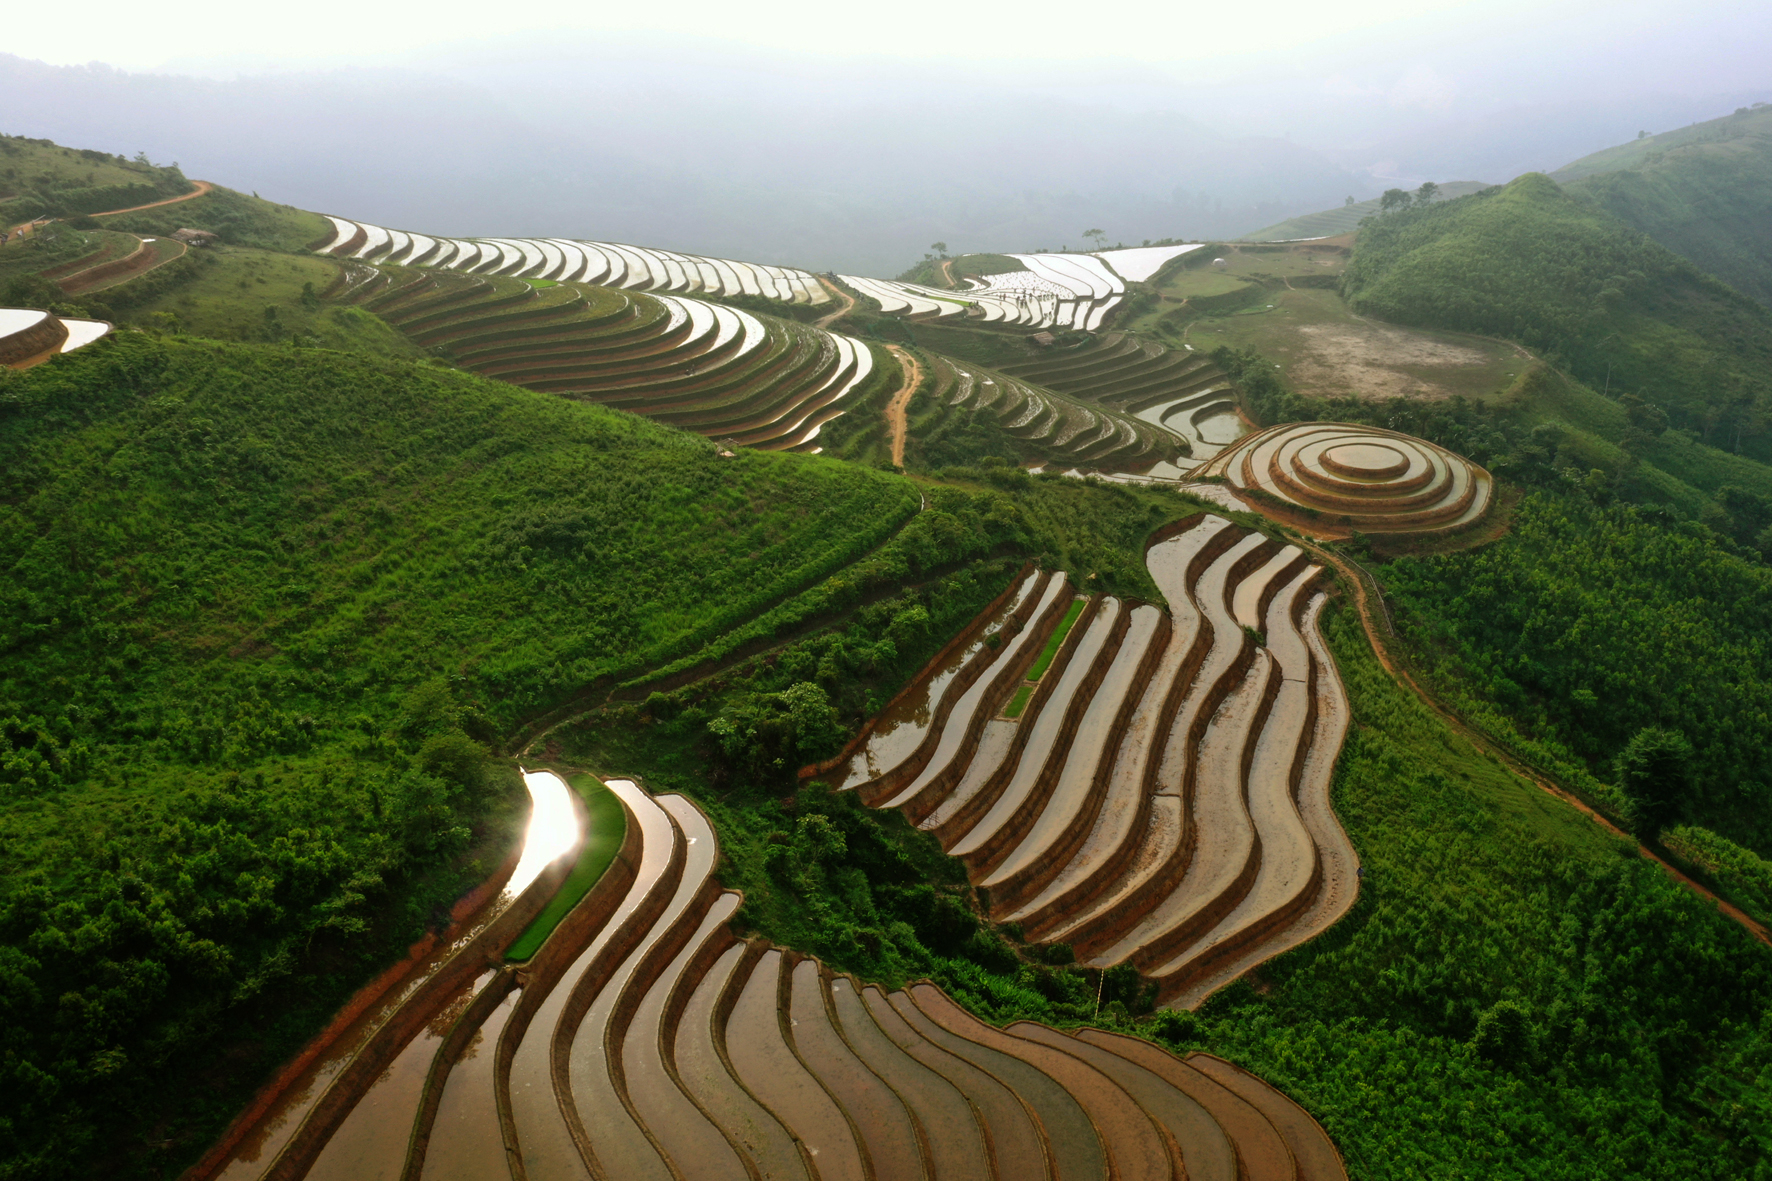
column 1209, row 40
column 136, row 36
column 851, row 135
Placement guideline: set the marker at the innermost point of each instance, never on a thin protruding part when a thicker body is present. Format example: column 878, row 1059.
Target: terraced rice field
column 327, row 1115
column 1339, row 476
column 645, row 1041
column 1067, row 423
column 119, row 258
column 1161, row 798
column 1178, row 391
column 716, row 370
column 607, row 264
column 29, row 336
column 1053, row 291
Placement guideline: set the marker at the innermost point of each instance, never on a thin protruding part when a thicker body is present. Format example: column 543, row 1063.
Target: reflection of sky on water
column 553, row 827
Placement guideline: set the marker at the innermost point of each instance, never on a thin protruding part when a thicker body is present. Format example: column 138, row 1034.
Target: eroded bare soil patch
column 1377, row 361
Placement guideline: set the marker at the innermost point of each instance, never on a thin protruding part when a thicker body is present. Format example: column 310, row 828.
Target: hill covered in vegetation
column 1622, row 314
column 265, row 612
column 270, row 612
column 1704, row 192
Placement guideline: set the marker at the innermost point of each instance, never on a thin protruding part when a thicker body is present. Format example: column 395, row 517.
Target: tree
column 940, row 248
column 1349, row 201
column 1427, row 192
column 1393, row 199
column 1645, row 416
column 1654, row 771
column 1099, row 235
column 1738, row 513
column 1504, row 1033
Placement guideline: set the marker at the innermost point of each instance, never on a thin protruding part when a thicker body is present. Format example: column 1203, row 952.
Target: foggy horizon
column 836, row 147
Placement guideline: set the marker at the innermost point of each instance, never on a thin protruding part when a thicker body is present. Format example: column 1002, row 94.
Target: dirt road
column 843, row 297
column 201, row 187
column 895, row 409
column 1375, row 636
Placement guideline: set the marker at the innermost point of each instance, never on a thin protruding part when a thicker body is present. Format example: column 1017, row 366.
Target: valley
column 558, row 708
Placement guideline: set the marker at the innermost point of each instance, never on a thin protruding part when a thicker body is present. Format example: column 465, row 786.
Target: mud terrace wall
column 716, row 370
column 1339, row 476
column 647, row 1043
column 1162, row 798
column 608, row 264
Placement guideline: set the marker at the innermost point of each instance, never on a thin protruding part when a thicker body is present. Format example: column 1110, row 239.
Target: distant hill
column 1345, row 220
column 1704, row 191
column 1559, row 274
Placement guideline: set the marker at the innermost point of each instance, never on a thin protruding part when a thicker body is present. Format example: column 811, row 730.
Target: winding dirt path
column 1375, row 633
column 895, row 409
column 842, row 296
column 200, row 187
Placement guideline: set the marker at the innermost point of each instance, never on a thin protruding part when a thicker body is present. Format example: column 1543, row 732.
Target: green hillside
column 39, row 178
column 263, row 612
column 284, row 595
column 1747, row 122
column 1622, row 314
column 1345, row 220
column 1704, row 192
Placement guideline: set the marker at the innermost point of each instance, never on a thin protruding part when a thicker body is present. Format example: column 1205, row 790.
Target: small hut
column 1219, row 264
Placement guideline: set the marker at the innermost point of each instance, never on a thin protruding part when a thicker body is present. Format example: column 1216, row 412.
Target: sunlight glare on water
column 553, row 827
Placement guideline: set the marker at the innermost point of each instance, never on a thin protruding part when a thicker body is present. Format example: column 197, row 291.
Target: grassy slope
column 1534, row 265
column 38, row 177
column 240, row 220
column 1704, row 192
column 259, row 604
column 1330, row 222
column 243, row 294
column 1637, row 152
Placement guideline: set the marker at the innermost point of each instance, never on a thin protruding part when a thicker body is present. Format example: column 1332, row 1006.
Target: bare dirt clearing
column 1325, row 351
column 1368, row 360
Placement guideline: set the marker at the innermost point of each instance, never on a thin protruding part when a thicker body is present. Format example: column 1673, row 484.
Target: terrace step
column 883, row 1125
column 764, row 1062
column 583, row 1048
column 1338, row 476
column 645, row 1040
column 716, row 370
column 563, row 982
column 612, row 264
column 1162, row 799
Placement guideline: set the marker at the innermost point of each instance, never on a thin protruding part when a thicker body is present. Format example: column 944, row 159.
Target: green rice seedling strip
column 605, row 825
column 1052, row 645
column 1019, row 702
